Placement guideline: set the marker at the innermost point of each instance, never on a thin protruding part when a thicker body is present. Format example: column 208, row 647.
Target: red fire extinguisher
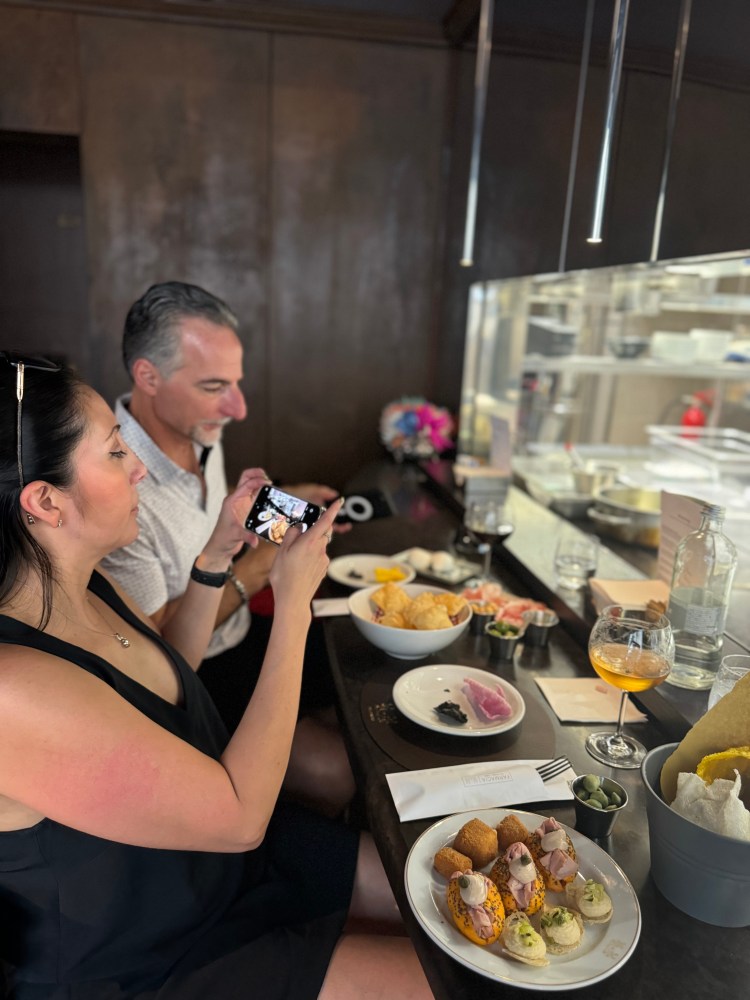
column 699, row 406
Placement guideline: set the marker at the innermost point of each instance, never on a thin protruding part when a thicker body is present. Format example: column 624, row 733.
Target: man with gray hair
column 181, row 349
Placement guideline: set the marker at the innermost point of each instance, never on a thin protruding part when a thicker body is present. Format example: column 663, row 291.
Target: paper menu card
column 679, row 516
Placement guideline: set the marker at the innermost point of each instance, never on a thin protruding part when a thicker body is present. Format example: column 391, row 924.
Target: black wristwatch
column 208, row 579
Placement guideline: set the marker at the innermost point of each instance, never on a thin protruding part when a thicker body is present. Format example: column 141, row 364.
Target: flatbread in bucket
column 726, row 725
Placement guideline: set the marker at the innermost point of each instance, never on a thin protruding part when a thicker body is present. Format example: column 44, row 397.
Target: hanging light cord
column 617, row 48
column 484, row 48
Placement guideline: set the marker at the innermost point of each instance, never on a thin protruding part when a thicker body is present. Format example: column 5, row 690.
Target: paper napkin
column 439, row 791
column 324, row 607
column 632, row 593
column 585, row 699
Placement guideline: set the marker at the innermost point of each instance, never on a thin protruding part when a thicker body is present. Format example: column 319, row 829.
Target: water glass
column 576, row 558
column 732, row 669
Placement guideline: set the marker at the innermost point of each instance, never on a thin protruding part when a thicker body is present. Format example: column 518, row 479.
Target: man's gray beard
column 199, row 437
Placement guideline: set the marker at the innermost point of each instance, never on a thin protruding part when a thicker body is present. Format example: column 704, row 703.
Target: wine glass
column 632, row 649
column 487, row 521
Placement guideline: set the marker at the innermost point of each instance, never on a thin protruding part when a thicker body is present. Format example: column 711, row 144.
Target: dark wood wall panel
column 175, row 159
column 357, row 143
column 708, row 204
column 38, row 72
column 44, row 300
column 522, row 182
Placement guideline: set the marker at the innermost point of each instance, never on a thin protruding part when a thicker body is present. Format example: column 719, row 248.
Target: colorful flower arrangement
column 413, row 428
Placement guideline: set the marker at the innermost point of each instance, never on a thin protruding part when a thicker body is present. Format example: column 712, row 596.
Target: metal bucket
column 702, row 873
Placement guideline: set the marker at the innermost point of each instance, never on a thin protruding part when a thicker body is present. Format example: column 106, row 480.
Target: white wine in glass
column 633, row 650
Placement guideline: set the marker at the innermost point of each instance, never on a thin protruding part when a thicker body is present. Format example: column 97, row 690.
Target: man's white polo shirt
column 174, row 525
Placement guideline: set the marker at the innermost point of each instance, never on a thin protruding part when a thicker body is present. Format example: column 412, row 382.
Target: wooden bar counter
column 677, row 956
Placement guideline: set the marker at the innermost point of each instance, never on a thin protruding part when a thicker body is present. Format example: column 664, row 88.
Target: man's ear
column 41, row 501
column 146, row 376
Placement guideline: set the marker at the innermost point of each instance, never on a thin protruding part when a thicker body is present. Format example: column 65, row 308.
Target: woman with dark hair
column 142, row 852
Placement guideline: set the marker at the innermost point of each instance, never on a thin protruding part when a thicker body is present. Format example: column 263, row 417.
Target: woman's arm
column 191, row 624
column 75, row 751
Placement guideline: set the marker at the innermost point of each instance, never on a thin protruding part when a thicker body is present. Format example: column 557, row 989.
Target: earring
column 59, row 522
column 30, row 519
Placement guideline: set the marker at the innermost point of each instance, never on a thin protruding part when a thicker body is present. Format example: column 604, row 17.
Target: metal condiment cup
column 502, row 647
column 592, row 822
column 537, row 626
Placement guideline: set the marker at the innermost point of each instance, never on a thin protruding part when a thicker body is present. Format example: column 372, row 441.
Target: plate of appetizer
column 462, row 701
column 365, row 571
column 522, row 899
column 441, row 566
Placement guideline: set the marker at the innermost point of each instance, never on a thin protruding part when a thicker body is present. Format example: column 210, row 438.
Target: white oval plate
column 605, row 947
column 340, row 570
column 417, row 692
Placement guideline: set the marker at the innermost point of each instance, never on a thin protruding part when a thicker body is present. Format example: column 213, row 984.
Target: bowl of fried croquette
column 409, row 621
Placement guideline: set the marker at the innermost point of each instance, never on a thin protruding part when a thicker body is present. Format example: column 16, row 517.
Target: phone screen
column 274, row 511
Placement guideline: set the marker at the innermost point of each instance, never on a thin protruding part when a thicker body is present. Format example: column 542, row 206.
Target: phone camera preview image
column 274, row 511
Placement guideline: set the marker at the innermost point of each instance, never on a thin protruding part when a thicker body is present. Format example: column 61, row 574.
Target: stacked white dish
column 711, row 345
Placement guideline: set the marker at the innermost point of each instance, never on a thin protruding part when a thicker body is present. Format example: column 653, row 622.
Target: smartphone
column 365, row 506
column 274, row 511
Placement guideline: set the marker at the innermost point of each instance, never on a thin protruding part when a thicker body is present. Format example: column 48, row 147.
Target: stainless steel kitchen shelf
column 604, row 365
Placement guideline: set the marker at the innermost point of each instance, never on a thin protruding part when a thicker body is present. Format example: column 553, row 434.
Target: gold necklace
column 123, row 640
column 116, row 635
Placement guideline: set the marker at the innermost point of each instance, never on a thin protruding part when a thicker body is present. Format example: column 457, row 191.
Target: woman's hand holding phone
column 302, row 561
column 230, row 532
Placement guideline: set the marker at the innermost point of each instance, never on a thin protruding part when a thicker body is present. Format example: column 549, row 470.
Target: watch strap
column 208, row 579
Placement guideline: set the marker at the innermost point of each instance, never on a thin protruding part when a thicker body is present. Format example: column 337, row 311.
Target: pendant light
column 484, row 48
column 616, row 50
column 683, row 29
column 587, row 31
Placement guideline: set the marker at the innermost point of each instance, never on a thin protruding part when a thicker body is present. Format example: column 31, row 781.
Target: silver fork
column 553, row 767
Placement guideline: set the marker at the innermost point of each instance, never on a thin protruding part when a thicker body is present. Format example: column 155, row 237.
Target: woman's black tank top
column 76, row 908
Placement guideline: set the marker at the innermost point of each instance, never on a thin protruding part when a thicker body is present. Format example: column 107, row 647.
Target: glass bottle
column 704, row 566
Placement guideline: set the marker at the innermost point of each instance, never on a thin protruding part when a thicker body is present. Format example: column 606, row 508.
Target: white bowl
column 405, row 644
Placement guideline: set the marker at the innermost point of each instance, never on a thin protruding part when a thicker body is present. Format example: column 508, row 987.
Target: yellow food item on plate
column 476, row 907
column 389, row 574
column 724, row 764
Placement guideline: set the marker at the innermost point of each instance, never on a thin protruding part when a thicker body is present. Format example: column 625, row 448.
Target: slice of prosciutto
column 522, row 891
column 487, row 704
column 554, row 841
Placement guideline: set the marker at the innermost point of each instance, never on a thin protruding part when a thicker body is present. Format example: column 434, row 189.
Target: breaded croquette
column 448, row 862
column 510, row 831
column 477, row 840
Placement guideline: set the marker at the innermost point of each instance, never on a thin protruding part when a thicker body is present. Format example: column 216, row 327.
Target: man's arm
column 252, row 570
